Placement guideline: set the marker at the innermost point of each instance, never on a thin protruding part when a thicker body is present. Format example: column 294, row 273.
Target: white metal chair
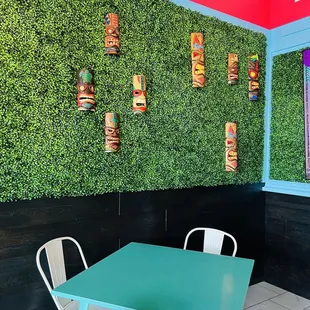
column 56, row 263
column 213, row 240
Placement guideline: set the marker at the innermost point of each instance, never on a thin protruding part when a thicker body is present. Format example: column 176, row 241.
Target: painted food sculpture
column 231, row 146
column 253, row 75
column 233, row 70
column 111, row 35
column 198, row 59
column 86, row 91
column 111, row 132
column 139, row 94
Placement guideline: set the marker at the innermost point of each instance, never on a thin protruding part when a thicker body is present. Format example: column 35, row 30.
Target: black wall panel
column 288, row 242
column 104, row 223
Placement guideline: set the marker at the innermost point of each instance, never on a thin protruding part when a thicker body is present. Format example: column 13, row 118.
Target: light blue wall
column 280, row 40
column 222, row 16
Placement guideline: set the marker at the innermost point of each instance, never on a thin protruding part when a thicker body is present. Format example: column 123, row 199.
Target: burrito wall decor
column 198, row 59
column 86, row 91
column 231, row 146
column 139, row 94
column 253, row 75
column 111, row 132
column 111, row 39
column 233, row 69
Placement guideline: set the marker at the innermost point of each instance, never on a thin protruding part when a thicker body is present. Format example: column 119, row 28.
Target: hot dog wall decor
column 198, row 59
column 86, row 91
column 139, row 94
column 233, row 70
column 253, row 75
column 231, row 146
column 111, row 35
column 306, row 62
column 111, row 132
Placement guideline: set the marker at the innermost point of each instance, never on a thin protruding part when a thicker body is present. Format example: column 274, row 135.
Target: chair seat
column 74, row 305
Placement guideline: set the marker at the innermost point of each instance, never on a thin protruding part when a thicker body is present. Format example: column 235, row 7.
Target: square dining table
column 148, row 277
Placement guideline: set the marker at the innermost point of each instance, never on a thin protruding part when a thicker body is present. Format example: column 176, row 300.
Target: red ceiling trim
column 266, row 13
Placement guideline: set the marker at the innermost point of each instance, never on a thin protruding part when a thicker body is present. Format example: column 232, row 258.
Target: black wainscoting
column 104, row 223
column 288, row 242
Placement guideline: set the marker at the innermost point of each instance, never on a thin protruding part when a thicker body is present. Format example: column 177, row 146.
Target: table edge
column 88, row 301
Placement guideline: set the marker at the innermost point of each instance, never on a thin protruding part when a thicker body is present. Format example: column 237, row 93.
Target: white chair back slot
column 213, row 240
column 56, row 262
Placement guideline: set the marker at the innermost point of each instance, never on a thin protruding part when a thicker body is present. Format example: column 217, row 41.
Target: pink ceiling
column 265, row 13
column 286, row 11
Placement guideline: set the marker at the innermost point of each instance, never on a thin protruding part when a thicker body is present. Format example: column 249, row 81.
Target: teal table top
column 148, row 277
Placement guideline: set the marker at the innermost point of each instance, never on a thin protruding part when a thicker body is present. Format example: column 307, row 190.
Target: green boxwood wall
column 287, row 160
column 49, row 148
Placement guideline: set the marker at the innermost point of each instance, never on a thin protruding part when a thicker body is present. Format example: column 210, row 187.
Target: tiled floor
column 264, row 296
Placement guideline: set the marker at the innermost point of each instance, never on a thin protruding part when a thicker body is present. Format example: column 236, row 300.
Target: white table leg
column 83, row 306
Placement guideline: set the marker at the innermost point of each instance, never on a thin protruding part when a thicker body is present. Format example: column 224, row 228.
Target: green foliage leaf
column 287, row 160
column 49, row 148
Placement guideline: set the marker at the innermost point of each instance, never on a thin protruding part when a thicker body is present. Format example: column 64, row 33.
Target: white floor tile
column 267, row 305
column 272, row 287
column 292, row 301
column 257, row 294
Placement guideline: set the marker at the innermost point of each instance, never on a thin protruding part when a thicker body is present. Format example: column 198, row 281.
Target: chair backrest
column 56, row 263
column 213, row 240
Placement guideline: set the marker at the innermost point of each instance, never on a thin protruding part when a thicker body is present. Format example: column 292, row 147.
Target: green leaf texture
column 287, row 162
column 49, row 148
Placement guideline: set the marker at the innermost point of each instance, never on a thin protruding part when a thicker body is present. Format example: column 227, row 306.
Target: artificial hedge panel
column 49, row 148
column 287, row 160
